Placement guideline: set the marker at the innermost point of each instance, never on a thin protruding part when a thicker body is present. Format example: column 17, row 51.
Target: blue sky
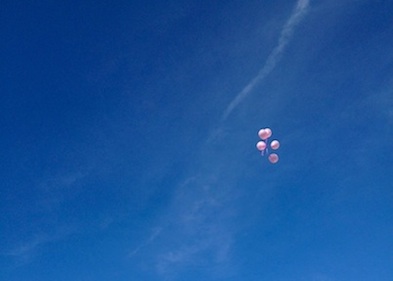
column 128, row 134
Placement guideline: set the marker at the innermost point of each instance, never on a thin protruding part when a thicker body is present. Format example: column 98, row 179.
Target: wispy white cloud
column 62, row 181
column 25, row 251
column 154, row 234
column 199, row 229
column 195, row 232
column 207, row 245
column 286, row 34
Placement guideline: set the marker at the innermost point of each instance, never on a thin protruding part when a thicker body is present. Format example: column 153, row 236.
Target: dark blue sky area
column 128, row 135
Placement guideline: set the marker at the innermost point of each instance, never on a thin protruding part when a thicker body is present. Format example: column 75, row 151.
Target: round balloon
column 265, row 133
column 273, row 158
column 262, row 134
column 261, row 145
column 268, row 132
column 275, row 144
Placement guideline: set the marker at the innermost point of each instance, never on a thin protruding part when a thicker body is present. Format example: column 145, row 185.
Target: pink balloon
column 265, row 133
column 262, row 133
column 261, row 145
column 275, row 144
column 268, row 132
column 273, row 158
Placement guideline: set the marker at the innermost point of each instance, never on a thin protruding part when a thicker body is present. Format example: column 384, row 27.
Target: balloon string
column 267, row 146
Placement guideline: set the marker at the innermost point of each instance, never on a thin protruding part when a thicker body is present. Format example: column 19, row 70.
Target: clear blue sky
column 128, row 133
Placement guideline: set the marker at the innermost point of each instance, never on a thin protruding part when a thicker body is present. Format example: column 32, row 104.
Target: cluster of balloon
column 263, row 144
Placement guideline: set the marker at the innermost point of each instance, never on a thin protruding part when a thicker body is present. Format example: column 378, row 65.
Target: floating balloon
column 268, row 132
column 261, row 145
column 275, row 144
column 262, row 134
column 273, row 158
column 265, row 133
